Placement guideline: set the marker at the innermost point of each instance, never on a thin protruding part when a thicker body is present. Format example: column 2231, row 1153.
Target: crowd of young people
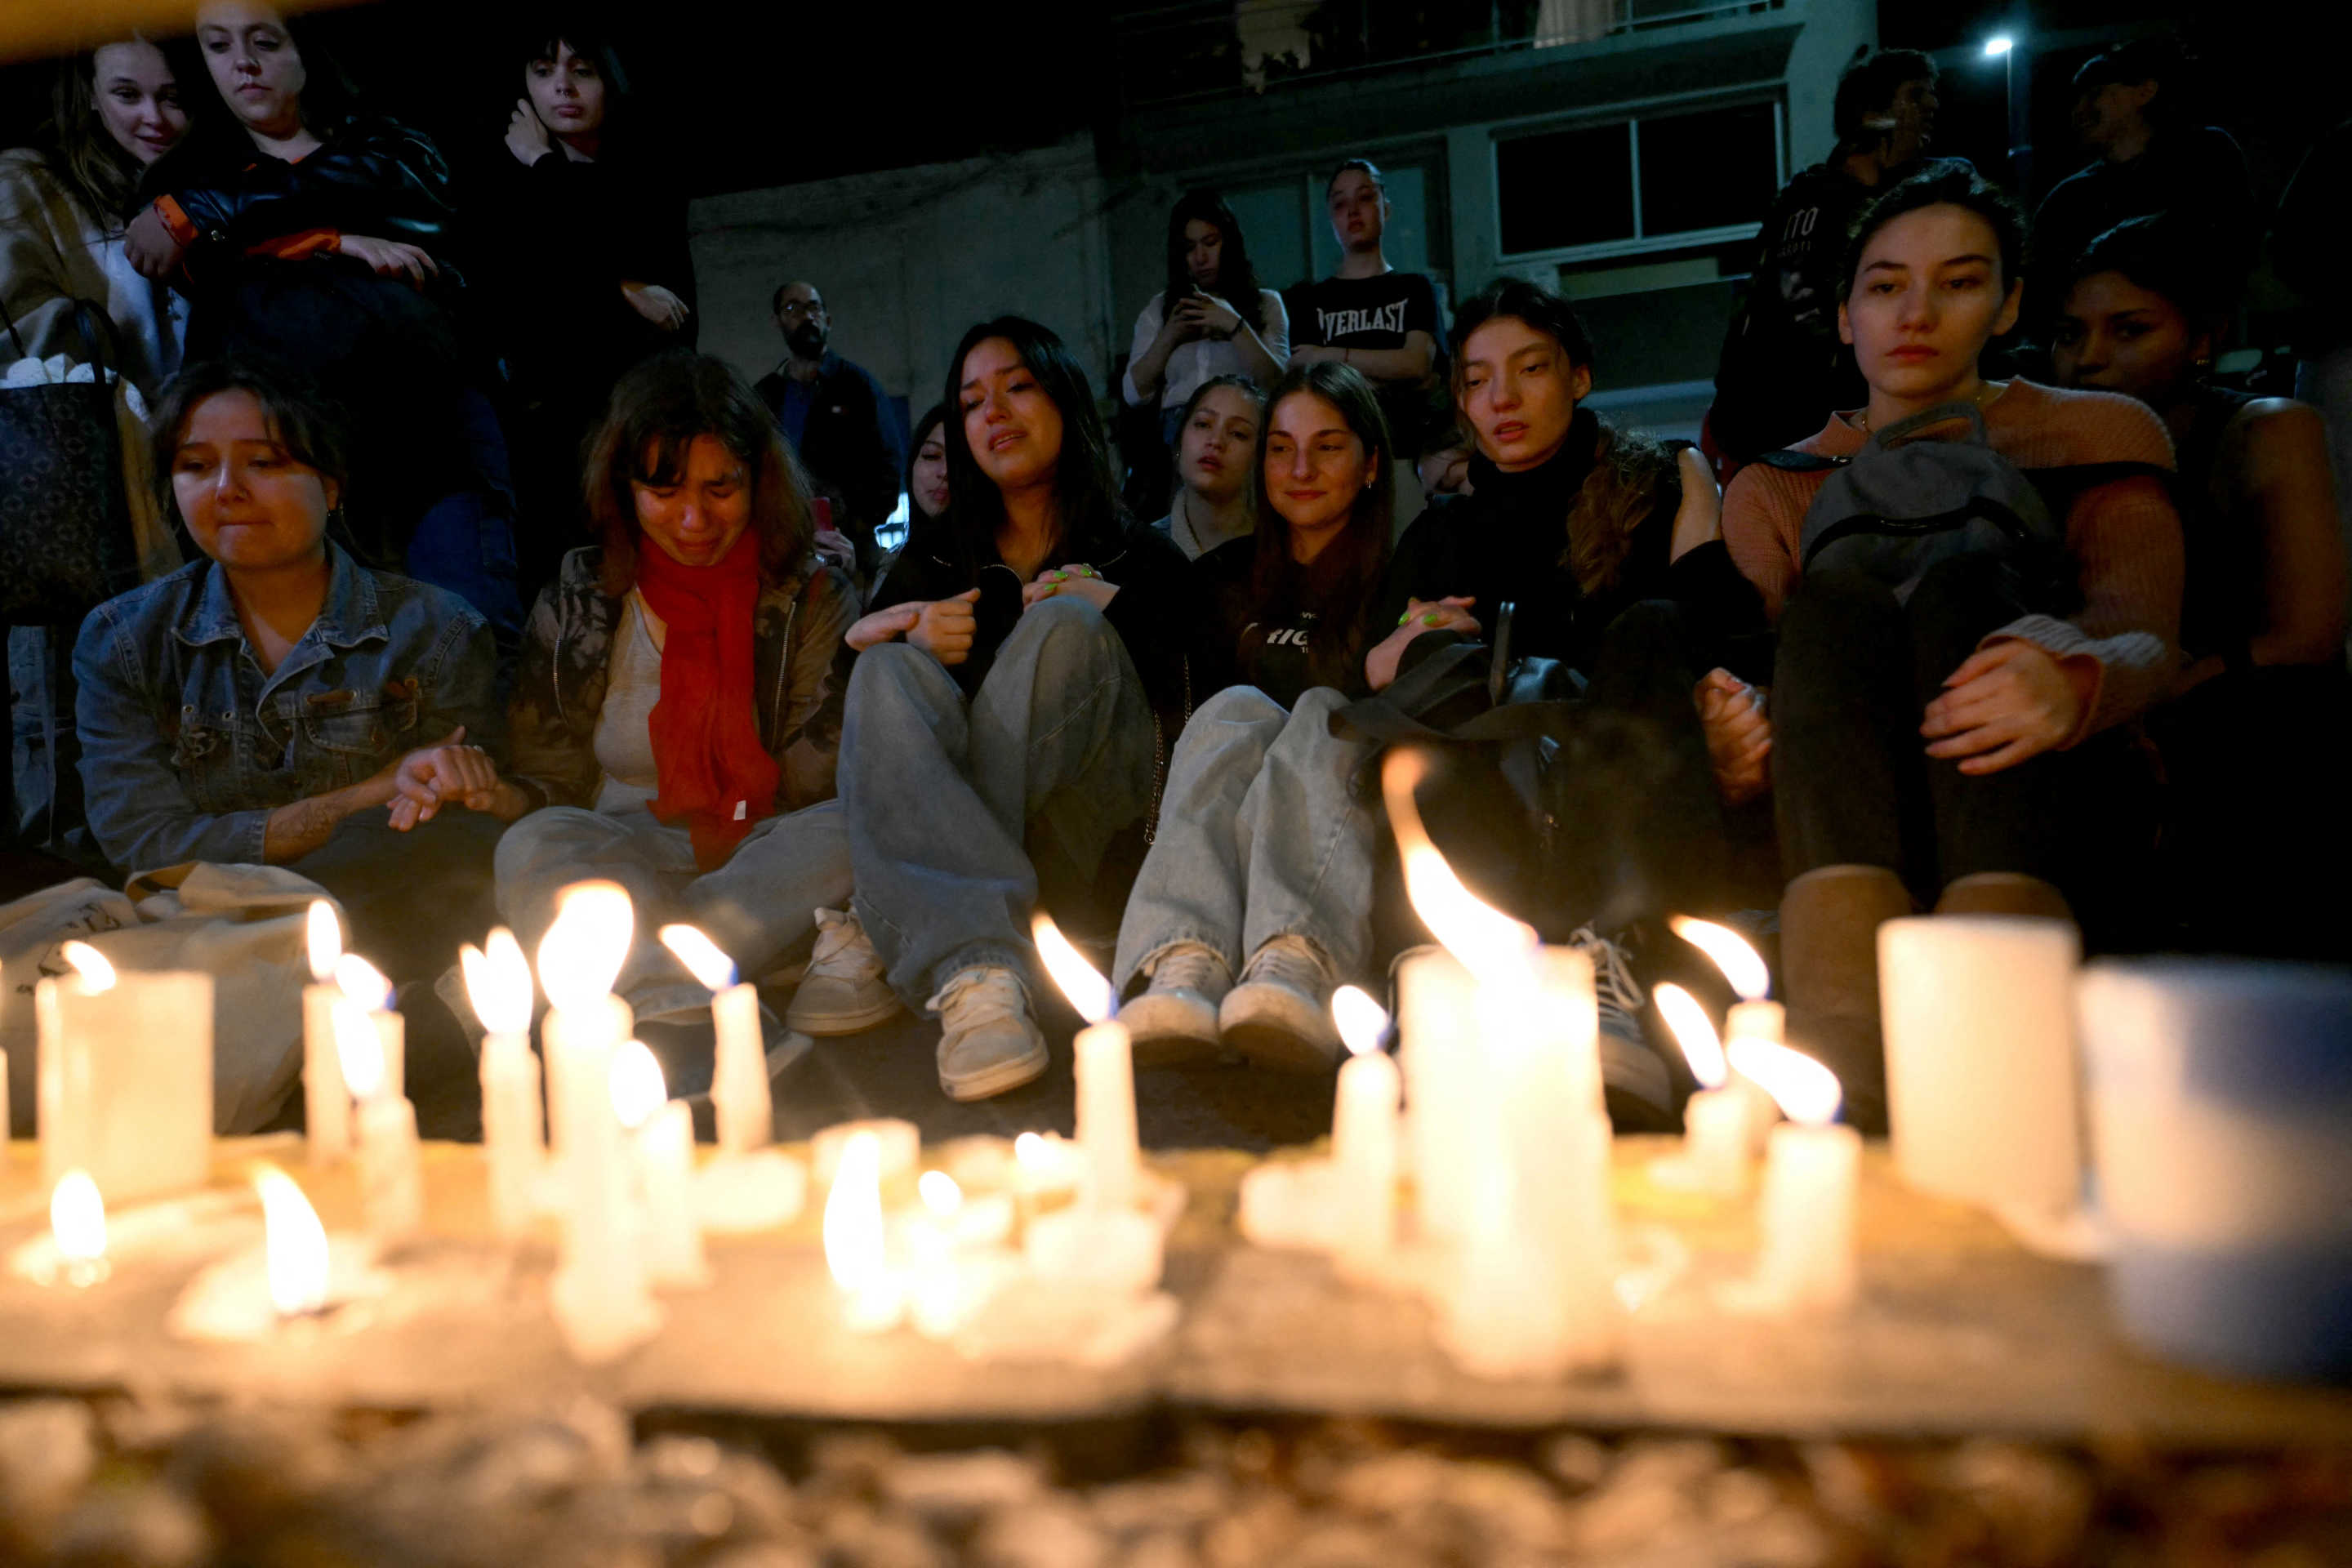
column 860, row 775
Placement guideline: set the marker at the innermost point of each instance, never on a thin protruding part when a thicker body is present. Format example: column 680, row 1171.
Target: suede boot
column 1828, row 964
column 2004, row 893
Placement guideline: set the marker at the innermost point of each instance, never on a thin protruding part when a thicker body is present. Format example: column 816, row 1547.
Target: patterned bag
column 65, row 523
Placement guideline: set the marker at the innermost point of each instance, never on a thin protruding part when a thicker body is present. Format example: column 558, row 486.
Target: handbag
column 65, row 543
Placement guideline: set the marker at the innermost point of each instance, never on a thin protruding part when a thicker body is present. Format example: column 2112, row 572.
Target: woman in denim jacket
column 676, row 714
column 261, row 704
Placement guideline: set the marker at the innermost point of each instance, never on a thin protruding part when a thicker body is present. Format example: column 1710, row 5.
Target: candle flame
column 637, row 1085
column 498, row 983
column 326, row 939
column 1807, row 1091
column 359, row 1049
column 77, row 1218
column 582, row 951
column 853, row 1215
column 295, row 1243
column 1088, row 991
column 702, row 957
column 363, row 983
column 1029, row 1149
column 1361, row 1020
column 96, row 974
column 1740, row 962
column 940, row 1192
column 1694, row 1032
column 1489, row 944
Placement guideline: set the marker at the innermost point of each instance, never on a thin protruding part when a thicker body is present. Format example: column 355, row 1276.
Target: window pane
column 1565, row 188
column 1274, row 226
column 1707, row 171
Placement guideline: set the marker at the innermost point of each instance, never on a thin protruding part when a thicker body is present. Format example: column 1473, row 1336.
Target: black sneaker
column 1635, row 1079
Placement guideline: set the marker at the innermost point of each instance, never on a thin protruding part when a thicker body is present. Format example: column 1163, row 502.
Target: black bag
column 65, row 523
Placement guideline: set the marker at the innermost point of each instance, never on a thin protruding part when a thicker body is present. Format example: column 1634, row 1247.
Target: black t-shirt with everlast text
column 1374, row 313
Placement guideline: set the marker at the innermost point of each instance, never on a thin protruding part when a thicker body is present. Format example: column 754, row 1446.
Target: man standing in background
column 836, row 417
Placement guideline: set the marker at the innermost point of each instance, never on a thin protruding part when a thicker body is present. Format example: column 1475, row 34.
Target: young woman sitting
column 1597, row 547
column 266, row 703
column 1955, row 744
column 1262, row 863
column 1019, row 657
column 1216, row 451
column 676, row 717
column 2249, row 733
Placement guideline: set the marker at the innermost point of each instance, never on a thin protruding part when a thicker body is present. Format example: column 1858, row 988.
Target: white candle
column 1364, row 1132
column 1437, row 1047
column 873, row 1298
column 295, row 1256
column 1806, row 1250
column 1981, row 1065
column 326, row 1100
column 1111, row 1250
column 661, row 1133
column 125, row 1077
column 1714, row 1152
column 77, row 1228
column 391, row 1170
column 1750, row 1018
column 739, row 1094
column 498, row 983
column 363, row 983
column 1103, row 1061
column 897, row 1145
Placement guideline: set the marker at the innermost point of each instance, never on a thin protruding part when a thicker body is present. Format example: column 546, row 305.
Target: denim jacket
column 187, row 746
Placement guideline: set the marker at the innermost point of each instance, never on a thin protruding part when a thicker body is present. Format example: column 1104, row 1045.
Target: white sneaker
column 1635, row 1078
column 1280, row 1015
column 989, row 1043
column 1175, row 1019
column 842, row 991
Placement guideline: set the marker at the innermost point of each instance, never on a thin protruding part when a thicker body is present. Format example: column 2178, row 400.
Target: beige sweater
column 53, row 251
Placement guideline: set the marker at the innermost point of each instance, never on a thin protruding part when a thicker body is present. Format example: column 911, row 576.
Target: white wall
column 909, row 258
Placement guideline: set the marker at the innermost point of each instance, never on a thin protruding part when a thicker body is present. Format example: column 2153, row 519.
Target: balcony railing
column 1172, row 53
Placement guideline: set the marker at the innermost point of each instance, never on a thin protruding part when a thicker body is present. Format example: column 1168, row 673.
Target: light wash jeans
column 1260, row 837
column 758, row 907
column 943, row 795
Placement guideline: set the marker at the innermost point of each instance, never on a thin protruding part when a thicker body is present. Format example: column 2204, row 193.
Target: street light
column 1997, row 45
column 2002, row 46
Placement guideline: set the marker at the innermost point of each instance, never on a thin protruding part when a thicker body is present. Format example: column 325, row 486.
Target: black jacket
column 850, row 444
column 372, row 176
column 1507, row 540
column 1162, row 611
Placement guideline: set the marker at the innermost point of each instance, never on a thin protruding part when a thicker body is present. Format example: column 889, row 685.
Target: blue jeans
column 757, row 907
column 1261, row 835
column 944, row 797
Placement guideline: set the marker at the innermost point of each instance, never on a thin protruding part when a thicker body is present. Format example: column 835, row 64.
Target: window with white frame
column 1663, row 180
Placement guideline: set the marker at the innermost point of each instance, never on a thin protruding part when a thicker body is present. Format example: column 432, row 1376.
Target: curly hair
column 1622, row 487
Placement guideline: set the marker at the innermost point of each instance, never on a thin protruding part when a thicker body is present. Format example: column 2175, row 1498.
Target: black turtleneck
column 1507, row 542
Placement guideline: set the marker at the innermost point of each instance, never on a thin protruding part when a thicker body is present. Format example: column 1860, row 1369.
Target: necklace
column 1984, row 394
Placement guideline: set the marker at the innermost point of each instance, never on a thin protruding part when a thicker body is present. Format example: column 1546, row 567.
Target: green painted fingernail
column 1429, row 619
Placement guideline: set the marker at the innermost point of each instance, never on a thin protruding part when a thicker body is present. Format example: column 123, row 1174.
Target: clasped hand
column 1739, row 735
column 1421, row 616
column 432, row 776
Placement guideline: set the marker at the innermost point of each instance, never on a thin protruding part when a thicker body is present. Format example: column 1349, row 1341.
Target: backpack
column 1901, row 506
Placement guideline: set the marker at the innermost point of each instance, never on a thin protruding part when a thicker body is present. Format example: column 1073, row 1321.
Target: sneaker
column 989, row 1043
column 1175, row 1019
column 1280, row 1015
column 842, row 991
column 1635, row 1079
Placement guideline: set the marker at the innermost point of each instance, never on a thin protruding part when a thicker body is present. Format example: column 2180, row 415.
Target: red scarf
column 714, row 774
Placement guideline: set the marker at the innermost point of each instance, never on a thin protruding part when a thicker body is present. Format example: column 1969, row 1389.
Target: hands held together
column 945, row 628
column 443, row 774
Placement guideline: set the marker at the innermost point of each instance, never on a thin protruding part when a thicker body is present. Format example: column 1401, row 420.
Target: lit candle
column 294, row 1244
column 1437, row 1047
column 897, row 1145
column 1752, row 1017
column 1811, row 1169
column 873, row 1298
column 77, row 1225
column 1047, row 1172
column 125, row 1075
column 1364, row 1132
column 599, row 1293
column 363, row 984
column 498, row 983
column 1088, row 1246
column 392, row 1174
column 1103, row 1059
column 326, row 1100
column 663, row 1130
column 1981, row 1065
column 1715, row 1151
column 738, row 1081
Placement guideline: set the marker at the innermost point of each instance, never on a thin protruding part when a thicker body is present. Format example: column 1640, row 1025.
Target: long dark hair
column 1621, row 488
column 1085, row 490
column 1345, row 576
column 933, row 418
column 1237, row 282
column 656, row 411
column 300, row 417
column 77, row 148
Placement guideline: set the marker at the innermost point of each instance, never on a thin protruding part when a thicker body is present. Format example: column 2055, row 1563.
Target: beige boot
column 1829, row 965
column 2004, row 893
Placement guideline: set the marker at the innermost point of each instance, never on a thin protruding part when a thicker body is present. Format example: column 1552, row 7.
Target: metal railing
column 1173, row 53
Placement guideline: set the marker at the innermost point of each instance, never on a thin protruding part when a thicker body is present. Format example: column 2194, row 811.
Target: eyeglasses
column 801, row 308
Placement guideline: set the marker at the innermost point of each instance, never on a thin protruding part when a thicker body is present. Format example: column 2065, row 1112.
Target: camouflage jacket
column 567, row 656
